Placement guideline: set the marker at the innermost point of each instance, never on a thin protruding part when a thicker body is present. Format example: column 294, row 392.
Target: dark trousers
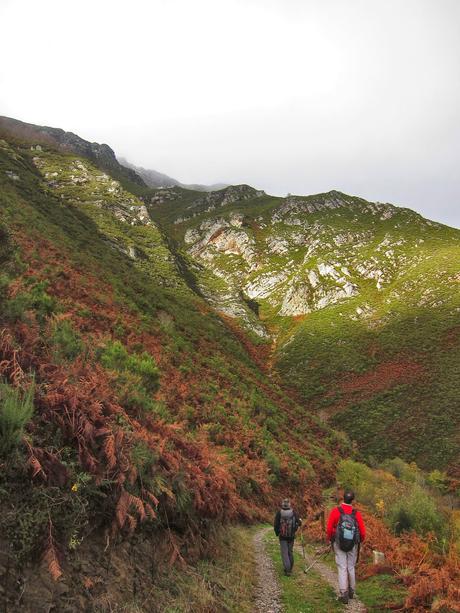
column 287, row 554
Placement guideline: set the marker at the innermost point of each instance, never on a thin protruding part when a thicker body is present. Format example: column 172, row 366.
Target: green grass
column 377, row 592
column 301, row 593
column 380, row 591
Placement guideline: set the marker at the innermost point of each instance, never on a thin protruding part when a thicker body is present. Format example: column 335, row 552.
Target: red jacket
column 334, row 520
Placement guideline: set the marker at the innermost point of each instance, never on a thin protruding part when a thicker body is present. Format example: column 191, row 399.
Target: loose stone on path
column 267, row 591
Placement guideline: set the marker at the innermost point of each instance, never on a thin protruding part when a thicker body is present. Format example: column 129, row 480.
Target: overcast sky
column 297, row 96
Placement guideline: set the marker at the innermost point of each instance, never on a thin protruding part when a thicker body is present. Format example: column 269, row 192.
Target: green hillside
column 172, row 362
column 360, row 302
column 140, row 408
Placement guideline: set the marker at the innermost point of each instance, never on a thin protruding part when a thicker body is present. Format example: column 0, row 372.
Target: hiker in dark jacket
column 346, row 545
column 285, row 525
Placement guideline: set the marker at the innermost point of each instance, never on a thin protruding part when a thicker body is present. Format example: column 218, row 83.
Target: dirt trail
column 268, row 591
column 329, row 575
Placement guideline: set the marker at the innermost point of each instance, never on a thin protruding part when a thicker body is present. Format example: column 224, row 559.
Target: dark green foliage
column 137, row 378
column 116, row 357
column 417, row 511
column 67, row 343
column 16, row 409
column 35, row 298
column 400, row 493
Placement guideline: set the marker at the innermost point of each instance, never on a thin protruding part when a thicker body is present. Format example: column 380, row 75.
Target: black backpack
column 288, row 524
column 347, row 533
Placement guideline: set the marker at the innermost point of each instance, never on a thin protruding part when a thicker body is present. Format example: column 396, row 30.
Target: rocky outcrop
column 229, row 195
column 100, row 190
column 221, row 236
column 308, row 292
column 100, row 154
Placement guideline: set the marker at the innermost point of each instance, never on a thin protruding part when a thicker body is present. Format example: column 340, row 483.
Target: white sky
column 286, row 95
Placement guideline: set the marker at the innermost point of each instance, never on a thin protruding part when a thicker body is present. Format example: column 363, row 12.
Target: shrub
column 67, row 342
column 143, row 459
column 115, row 356
column 41, row 301
column 359, row 478
column 409, row 473
column 416, row 511
column 16, row 408
column 137, row 377
column 36, row 299
column 438, row 480
column 274, row 466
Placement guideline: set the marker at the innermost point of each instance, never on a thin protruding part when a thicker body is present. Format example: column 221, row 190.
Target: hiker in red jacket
column 345, row 531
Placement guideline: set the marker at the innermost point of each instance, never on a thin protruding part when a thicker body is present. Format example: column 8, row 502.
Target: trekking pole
column 318, row 557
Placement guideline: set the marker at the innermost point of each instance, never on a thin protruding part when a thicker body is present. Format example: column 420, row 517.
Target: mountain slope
column 149, row 412
column 360, row 301
column 101, row 155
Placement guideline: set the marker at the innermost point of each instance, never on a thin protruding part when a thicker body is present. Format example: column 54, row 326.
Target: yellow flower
column 380, row 505
column 74, row 487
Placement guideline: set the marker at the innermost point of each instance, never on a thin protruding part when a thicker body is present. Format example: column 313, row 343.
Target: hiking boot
column 351, row 593
column 343, row 598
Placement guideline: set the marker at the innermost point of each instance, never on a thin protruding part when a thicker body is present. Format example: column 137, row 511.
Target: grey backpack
column 288, row 524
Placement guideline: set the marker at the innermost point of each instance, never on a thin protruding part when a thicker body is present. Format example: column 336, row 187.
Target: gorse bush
column 8, row 262
column 409, row 473
column 16, row 409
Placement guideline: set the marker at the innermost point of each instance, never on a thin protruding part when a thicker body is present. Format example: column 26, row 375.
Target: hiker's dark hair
column 348, row 496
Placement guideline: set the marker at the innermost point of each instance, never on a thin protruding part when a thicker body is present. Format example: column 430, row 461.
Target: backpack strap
column 341, row 511
column 353, row 513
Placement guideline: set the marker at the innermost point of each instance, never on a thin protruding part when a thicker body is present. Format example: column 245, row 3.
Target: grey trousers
column 287, row 554
column 346, row 562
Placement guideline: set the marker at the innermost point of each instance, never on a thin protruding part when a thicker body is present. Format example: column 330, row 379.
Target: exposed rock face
column 299, row 255
column 229, row 195
column 220, row 236
column 79, row 183
column 265, row 284
column 101, row 154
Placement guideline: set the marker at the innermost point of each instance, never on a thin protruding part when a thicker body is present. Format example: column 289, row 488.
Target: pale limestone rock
column 277, row 245
column 313, row 278
column 327, row 270
column 236, row 219
column 265, row 284
column 191, row 236
column 296, row 300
